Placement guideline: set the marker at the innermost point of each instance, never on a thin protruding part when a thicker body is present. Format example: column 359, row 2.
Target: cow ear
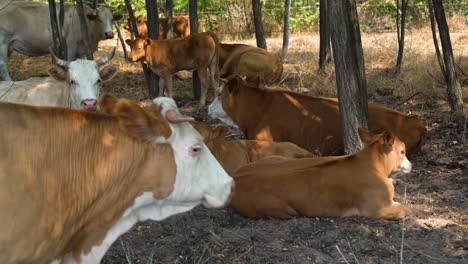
column 233, row 84
column 147, row 41
column 220, row 132
column 58, row 73
column 366, row 136
column 388, row 138
column 117, row 17
column 107, row 102
column 129, row 42
column 107, row 73
column 92, row 16
column 150, row 127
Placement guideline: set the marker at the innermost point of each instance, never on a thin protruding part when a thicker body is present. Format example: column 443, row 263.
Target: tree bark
column 84, row 29
column 153, row 33
column 325, row 50
column 350, row 73
column 453, row 86
column 63, row 42
column 193, row 13
column 169, row 25
column 259, row 33
column 400, row 25
column 56, row 40
column 287, row 14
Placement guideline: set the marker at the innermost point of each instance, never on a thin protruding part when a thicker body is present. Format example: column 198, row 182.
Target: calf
column 73, row 181
column 251, row 62
column 311, row 122
column 74, row 84
column 356, row 184
column 166, row 57
column 210, row 132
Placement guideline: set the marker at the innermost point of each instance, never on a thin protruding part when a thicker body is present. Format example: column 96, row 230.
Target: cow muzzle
column 109, row 35
column 89, row 104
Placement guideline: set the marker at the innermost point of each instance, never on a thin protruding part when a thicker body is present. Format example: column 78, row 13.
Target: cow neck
column 252, row 101
column 149, row 53
column 101, row 182
column 373, row 157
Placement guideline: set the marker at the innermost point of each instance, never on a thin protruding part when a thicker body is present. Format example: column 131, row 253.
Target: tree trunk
column 63, row 42
column 169, row 25
column 400, row 25
column 453, row 86
column 56, row 41
column 153, row 33
column 350, row 74
column 259, row 33
column 287, row 12
column 84, row 29
column 193, row 12
column 325, row 50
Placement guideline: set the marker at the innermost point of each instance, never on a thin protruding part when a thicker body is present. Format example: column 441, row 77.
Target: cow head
column 84, row 79
column 105, row 16
column 199, row 176
column 390, row 147
column 225, row 100
column 138, row 49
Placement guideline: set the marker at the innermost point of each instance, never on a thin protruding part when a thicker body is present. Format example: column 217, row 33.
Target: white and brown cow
column 72, row 182
column 25, row 28
column 74, row 84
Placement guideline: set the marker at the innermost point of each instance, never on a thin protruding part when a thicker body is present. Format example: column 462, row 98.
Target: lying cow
column 180, row 26
column 74, row 84
column 311, row 122
column 233, row 154
column 252, row 62
column 73, row 181
column 25, row 28
column 209, row 132
column 166, row 57
column 356, row 184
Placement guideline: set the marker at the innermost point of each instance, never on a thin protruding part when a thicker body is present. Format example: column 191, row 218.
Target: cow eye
column 72, row 82
column 99, row 81
column 402, row 152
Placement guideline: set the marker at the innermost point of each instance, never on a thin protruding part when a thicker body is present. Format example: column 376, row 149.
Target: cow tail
column 216, row 55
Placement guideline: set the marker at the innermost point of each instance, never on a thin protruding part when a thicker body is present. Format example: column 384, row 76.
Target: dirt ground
column 435, row 192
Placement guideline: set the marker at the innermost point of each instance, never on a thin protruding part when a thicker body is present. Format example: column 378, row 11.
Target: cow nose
column 89, row 104
column 109, row 35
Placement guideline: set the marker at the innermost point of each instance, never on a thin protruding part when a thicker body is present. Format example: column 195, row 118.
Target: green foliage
column 304, row 18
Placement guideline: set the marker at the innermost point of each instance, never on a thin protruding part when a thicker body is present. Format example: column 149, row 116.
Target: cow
column 233, row 154
column 311, row 122
column 168, row 56
column 210, row 132
column 73, row 181
column 25, row 28
column 251, row 62
column 357, row 184
column 74, row 84
column 180, row 26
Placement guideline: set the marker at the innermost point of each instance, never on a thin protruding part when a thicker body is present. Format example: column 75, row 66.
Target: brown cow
column 180, row 26
column 311, row 122
column 166, row 57
column 252, row 62
column 72, row 182
column 355, row 184
column 233, row 154
column 209, row 132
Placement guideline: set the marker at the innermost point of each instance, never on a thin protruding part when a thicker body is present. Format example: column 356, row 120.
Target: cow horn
column 58, row 61
column 175, row 117
column 106, row 58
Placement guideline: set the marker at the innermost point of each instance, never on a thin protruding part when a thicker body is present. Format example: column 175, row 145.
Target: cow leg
column 161, row 86
column 213, row 77
column 4, row 59
column 203, row 75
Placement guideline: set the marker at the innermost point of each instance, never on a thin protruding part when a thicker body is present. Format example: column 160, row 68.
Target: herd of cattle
column 78, row 169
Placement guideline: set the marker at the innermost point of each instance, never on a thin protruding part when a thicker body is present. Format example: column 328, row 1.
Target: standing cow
column 25, row 28
column 180, row 26
column 168, row 56
column 74, row 84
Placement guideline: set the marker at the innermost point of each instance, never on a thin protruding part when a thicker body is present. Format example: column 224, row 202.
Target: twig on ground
column 352, row 252
column 403, row 228
column 243, row 254
column 339, row 251
column 409, row 98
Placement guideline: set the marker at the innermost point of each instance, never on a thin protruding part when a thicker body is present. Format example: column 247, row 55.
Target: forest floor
column 436, row 191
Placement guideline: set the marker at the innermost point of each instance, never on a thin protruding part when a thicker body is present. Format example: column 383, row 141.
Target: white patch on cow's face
column 215, row 110
column 200, row 178
column 84, row 82
column 105, row 16
column 405, row 168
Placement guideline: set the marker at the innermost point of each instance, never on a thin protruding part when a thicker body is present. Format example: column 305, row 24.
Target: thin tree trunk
column 350, row 74
column 400, row 25
column 453, row 86
column 63, row 42
column 57, row 46
column 193, row 12
column 434, row 37
column 287, row 12
column 153, row 32
column 325, row 50
column 259, row 33
column 84, row 29
column 169, row 24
